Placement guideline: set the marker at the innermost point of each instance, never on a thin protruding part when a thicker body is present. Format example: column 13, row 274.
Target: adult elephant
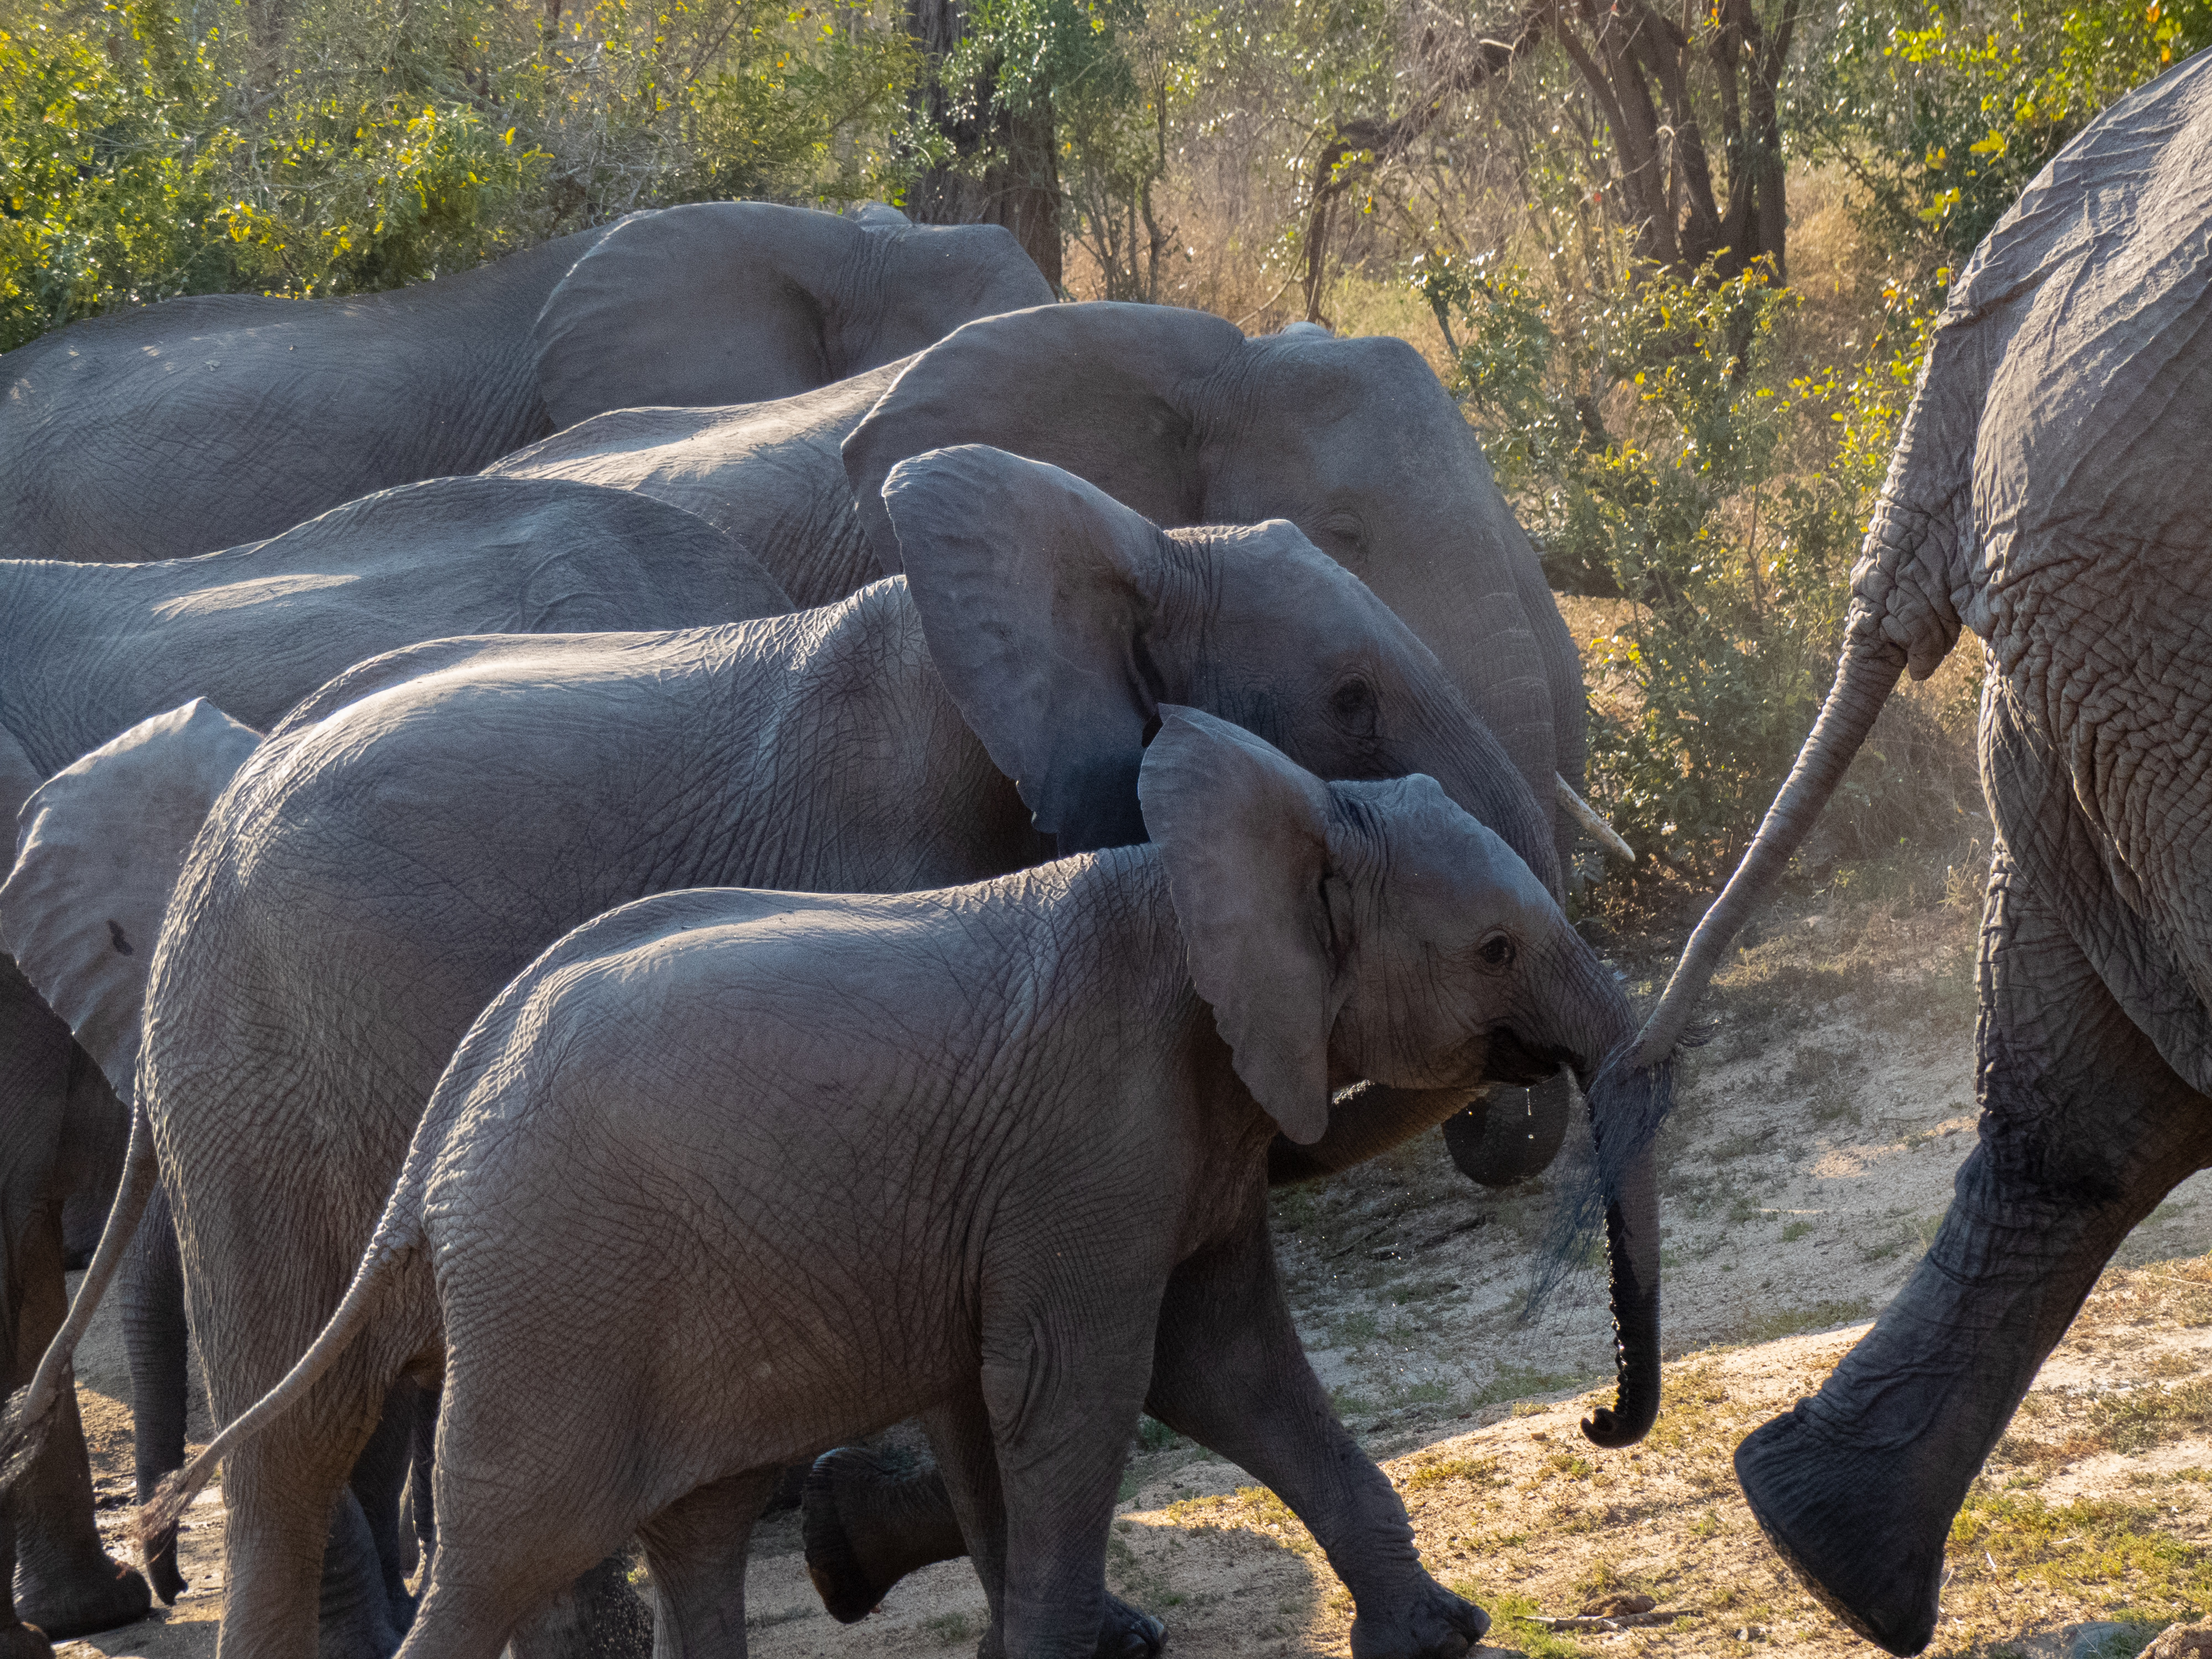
column 463, row 803
column 2047, row 493
column 208, row 422
column 86, row 653
column 1180, row 415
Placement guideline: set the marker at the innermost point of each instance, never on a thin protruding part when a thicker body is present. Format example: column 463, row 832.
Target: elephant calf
column 995, row 1155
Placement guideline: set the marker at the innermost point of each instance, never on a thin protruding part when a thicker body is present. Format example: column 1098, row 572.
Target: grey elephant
column 925, row 1194
column 208, row 422
column 513, row 788
column 2047, row 493
column 1177, row 413
column 91, row 649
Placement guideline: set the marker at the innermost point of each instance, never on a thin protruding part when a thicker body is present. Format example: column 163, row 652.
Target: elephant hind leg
column 695, row 1551
column 2084, row 1129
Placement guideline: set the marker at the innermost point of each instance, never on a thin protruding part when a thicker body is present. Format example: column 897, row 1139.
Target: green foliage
column 1948, row 110
column 1641, row 434
column 326, row 148
column 104, row 195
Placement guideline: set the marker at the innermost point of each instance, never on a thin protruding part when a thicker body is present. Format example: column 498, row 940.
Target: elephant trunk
column 1626, row 1107
column 1868, row 672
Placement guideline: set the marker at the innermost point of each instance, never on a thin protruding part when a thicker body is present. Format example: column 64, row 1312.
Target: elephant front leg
column 2084, row 1129
column 1229, row 1371
column 151, row 1303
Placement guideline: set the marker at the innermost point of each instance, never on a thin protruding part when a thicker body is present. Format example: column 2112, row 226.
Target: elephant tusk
column 1586, row 815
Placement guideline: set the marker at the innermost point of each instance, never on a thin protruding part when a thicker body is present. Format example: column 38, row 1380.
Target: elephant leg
column 150, row 1301
column 2084, row 1128
column 695, row 1551
column 1063, row 1380
column 62, row 1581
column 302, row 1562
column 866, row 1525
column 17, row 1639
column 1227, row 1370
column 967, row 1474
column 422, row 1510
column 377, row 1480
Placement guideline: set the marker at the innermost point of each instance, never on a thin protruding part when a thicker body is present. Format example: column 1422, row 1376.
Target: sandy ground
column 1809, row 1160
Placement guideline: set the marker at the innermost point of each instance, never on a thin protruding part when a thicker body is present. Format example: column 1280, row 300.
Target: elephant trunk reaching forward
column 2047, row 494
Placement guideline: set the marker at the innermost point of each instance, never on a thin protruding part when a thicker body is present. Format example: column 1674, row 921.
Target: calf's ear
column 1243, row 833
column 1035, row 591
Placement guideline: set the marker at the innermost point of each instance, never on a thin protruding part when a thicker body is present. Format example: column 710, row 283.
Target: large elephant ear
column 1243, row 833
column 928, row 281
column 1104, row 389
column 98, row 846
column 1035, row 591
column 718, row 302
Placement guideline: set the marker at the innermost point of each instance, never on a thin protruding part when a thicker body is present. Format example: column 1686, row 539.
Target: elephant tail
column 1869, row 670
column 399, row 1235
column 30, row 1409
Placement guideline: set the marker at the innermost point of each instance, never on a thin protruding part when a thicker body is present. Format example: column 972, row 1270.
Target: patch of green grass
column 1509, row 1627
column 1252, row 1509
column 1154, row 1436
column 2101, row 1553
column 1794, row 1231
column 1355, row 1328
column 1423, row 1290
column 1778, row 1323
column 1349, row 1405
column 2147, row 1416
column 1476, row 1471
column 1519, row 1384
column 949, row 1629
column 1429, row 1391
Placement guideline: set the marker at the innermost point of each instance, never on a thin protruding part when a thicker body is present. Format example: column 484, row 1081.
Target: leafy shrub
column 325, row 149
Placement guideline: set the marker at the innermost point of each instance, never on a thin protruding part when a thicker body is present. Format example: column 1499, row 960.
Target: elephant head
column 1179, row 416
column 1061, row 621
column 1375, row 932
column 771, row 301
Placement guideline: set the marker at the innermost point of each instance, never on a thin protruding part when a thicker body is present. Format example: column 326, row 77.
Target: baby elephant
column 995, row 1155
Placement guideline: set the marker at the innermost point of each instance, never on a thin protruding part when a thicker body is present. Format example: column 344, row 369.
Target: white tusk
column 1586, row 815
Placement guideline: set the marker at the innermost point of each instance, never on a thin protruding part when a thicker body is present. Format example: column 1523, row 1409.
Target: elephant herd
column 762, row 832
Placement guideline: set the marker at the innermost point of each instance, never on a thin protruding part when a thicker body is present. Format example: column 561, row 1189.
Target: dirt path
column 1809, row 1160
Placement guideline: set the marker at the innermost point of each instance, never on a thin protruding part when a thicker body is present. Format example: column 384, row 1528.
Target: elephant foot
column 24, row 1642
column 1129, row 1632
column 1124, row 1632
column 1847, row 1532
column 84, row 1602
column 1430, row 1624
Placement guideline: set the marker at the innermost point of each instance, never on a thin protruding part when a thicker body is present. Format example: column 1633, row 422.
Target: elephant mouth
column 1510, row 1060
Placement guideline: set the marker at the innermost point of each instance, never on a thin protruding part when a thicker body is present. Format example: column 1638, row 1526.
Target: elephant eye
column 1353, row 702
column 1497, row 950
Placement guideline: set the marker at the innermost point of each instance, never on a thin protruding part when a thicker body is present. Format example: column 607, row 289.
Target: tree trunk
column 1018, row 185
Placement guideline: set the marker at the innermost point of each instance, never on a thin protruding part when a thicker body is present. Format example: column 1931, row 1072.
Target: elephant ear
column 1104, row 389
column 1244, row 834
column 98, row 850
column 928, row 281
column 1035, row 591
column 718, row 302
